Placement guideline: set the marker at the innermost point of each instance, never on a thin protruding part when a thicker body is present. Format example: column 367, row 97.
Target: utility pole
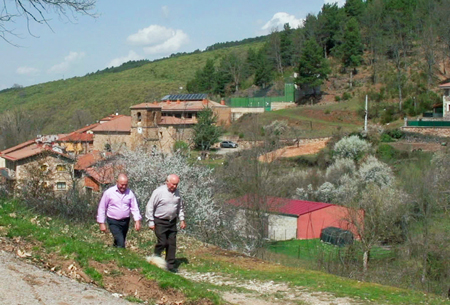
column 365, row 117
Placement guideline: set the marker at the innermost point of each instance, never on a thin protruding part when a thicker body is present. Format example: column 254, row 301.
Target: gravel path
column 22, row 283
column 266, row 292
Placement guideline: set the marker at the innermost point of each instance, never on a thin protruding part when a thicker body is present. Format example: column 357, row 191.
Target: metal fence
column 429, row 123
column 263, row 102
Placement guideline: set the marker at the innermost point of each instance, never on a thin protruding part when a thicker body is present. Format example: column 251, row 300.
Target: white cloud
column 174, row 43
column 158, row 39
column 120, row 60
column 340, row 3
column 280, row 19
column 151, row 35
column 27, row 71
column 66, row 64
column 165, row 11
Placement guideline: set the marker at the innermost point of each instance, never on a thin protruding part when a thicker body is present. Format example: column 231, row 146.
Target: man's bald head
column 122, row 182
column 172, row 182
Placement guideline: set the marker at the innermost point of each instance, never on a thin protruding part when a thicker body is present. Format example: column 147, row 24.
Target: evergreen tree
column 206, row 132
column 286, row 46
column 354, row 8
column 313, row 67
column 351, row 49
column 204, row 80
column 264, row 70
column 329, row 26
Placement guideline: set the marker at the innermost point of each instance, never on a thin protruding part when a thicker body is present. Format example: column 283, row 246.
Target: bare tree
column 275, row 49
column 36, row 11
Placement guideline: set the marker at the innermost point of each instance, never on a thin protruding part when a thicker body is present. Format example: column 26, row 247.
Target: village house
column 64, row 158
column 39, row 158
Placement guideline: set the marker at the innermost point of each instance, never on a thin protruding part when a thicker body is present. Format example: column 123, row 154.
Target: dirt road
column 22, row 283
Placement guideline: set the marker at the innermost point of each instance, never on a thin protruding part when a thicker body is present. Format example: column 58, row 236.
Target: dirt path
column 265, row 293
column 23, row 283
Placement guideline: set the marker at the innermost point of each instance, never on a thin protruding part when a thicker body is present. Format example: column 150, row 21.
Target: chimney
column 155, row 102
column 178, row 101
column 168, row 102
column 205, row 101
column 222, row 102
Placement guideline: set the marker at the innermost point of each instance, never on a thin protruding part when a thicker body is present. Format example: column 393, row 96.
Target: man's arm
column 134, row 208
column 150, row 208
column 181, row 214
column 101, row 211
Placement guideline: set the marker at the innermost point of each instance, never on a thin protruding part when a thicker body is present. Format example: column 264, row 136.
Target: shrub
column 241, row 135
column 374, row 171
column 181, row 146
column 337, row 98
column 386, row 138
column 346, row 96
column 351, row 147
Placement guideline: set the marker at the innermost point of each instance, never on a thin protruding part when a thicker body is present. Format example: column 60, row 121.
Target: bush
column 337, row 98
column 241, row 135
column 351, row 147
column 346, row 96
column 386, row 138
column 181, row 146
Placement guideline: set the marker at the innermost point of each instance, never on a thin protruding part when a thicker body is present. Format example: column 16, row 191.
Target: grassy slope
column 106, row 93
column 84, row 244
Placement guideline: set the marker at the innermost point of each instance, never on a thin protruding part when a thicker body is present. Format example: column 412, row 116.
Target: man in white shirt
column 163, row 210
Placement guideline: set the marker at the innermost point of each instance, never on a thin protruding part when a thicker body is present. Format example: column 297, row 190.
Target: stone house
column 40, row 160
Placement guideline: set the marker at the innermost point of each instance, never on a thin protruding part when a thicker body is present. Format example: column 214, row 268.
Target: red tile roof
column 26, row 150
column 87, row 160
column 86, row 128
column 145, row 106
column 446, row 85
column 119, row 124
column 77, row 137
column 282, row 205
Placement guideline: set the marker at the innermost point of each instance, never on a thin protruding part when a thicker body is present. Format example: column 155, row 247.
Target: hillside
column 208, row 275
column 99, row 95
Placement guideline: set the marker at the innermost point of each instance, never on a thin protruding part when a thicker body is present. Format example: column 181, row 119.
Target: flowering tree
column 146, row 171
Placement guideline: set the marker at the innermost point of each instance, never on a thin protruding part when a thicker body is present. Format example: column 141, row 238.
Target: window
column 60, row 186
column 139, row 117
column 61, row 168
column 44, row 167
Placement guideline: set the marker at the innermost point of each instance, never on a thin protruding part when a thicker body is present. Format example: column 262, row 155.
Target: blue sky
column 137, row 29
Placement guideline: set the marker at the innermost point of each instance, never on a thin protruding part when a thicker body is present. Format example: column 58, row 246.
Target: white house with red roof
column 296, row 219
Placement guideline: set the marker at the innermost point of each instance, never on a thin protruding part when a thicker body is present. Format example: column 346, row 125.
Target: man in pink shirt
column 115, row 207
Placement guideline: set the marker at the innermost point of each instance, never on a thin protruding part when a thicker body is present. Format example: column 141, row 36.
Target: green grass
column 78, row 243
column 321, row 282
column 310, row 249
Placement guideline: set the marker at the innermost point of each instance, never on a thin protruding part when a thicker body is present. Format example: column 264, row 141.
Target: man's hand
column 137, row 225
column 102, row 227
column 152, row 227
column 182, row 224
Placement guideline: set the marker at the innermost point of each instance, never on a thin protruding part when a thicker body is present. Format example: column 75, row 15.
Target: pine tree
column 206, row 132
column 351, row 49
column 286, row 46
column 313, row 67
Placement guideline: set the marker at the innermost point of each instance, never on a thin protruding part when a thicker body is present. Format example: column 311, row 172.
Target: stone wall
column 117, row 141
column 236, row 113
column 432, row 131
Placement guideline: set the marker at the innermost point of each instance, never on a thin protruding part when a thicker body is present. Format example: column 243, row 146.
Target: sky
column 75, row 45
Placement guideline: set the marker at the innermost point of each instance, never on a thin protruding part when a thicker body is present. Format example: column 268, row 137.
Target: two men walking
column 163, row 210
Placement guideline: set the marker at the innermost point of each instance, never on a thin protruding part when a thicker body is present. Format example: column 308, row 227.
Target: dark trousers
column 166, row 235
column 119, row 229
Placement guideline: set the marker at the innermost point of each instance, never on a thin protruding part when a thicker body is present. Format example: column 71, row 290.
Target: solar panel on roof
column 185, row 97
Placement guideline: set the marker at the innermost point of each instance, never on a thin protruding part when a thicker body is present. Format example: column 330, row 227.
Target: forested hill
column 394, row 50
